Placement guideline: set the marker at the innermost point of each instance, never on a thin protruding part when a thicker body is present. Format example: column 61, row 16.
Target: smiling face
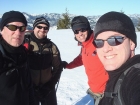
column 81, row 36
column 14, row 38
column 41, row 32
column 113, row 57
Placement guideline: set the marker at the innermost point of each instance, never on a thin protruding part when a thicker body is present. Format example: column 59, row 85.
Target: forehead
column 107, row 34
column 42, row 25
column 17, row 23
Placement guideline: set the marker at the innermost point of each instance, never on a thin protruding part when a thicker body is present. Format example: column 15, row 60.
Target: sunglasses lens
column 14, row 28
column 116, row 40
column 22, row 28
column 98, row 43
column 46, row 28
column 11, row 27
column 40, row 27
column 112, row 41
column 76, row 31
column 82, row 30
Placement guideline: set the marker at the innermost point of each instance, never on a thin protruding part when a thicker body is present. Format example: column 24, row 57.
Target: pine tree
column 64, row 23
column 122, row 11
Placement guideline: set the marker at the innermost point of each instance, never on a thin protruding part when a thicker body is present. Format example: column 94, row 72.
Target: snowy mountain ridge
column 54, row 17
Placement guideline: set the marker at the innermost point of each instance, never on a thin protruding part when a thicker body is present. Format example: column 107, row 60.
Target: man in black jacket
column 15, row 80
column 115, row 41
column 44, row 61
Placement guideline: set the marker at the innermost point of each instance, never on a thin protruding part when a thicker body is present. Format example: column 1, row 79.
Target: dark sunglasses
column 82, row 30
column 112, row 41
column 14, row 27
column 40, row 27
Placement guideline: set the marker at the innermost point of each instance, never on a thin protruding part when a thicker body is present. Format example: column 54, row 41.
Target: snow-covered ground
column 73, row 83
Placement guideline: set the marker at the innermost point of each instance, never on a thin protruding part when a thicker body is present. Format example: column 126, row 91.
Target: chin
column 82, row 41
column 110, row 67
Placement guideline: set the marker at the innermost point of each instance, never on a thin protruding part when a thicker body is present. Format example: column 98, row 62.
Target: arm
column 56, row 65
column 1, row 63
column 75, row 63
column 31, row 92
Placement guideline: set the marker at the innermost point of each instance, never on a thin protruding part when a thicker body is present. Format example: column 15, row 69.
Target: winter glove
column 64, row 64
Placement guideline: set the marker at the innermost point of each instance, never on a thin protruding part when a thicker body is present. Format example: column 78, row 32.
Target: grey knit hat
column 40, row 20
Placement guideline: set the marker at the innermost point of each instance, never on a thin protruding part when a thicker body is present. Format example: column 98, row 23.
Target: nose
column 107, row 47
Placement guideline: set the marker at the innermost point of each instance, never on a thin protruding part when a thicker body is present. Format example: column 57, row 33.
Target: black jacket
column 44, row 61
column 15, row 80
column 130, row 88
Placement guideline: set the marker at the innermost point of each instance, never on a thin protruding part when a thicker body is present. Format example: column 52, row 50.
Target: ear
column 2, row 32
column 132, row 45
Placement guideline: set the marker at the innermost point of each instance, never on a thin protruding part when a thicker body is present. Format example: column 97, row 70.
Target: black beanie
column 12, row 16
column 118, row 22
column 41, row 20
column 81, row 22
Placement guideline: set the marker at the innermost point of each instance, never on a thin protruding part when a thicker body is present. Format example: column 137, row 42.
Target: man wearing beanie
column 15, row 80
column 44, row 61
column 115, row 41
column 97, row 76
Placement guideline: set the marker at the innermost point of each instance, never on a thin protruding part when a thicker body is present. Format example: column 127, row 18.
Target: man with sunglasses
column 44, row 61
column 15, row 80
column 115, row 41
column 97, row 76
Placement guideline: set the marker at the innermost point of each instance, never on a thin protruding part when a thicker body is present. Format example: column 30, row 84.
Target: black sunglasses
column 112, row 41
column 14, row 27
column 40, row 27
column 82, row 30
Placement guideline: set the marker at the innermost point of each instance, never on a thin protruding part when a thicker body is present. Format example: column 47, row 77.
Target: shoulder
column 52, row 43
column 54, row 47
column 135, row 70
column 131, row 85
column 132, row 77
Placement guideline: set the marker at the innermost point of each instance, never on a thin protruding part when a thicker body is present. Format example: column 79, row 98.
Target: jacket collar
column 88, row 42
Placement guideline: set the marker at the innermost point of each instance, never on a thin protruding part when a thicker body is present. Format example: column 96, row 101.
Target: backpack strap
column 2, row 51
column 27, row 41
column 5, row 65
column 118, row 100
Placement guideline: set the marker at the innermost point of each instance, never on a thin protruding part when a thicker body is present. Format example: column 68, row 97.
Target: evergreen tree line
column 64, row 22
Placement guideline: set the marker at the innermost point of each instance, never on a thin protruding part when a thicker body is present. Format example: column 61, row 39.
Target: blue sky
column 78, row 7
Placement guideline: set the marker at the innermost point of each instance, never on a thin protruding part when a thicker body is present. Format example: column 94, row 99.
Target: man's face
column 81, row 34
column 41, row 31
column 113, row 57
column 14, row 38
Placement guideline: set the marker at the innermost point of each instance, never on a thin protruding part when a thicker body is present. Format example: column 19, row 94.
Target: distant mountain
column 54, row 17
